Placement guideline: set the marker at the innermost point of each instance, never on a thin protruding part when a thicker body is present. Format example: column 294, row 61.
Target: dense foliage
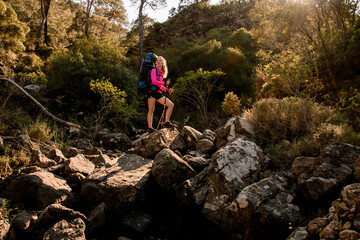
column 71, row 70
column 195, row 89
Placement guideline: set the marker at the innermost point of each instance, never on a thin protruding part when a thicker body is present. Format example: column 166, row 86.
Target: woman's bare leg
column 151, row 106
column 170, row 106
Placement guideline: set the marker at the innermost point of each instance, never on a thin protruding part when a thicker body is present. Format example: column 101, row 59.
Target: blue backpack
column 144, row 83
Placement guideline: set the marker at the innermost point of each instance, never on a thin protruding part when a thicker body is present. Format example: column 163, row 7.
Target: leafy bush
column 231, row 104
column 349, row 104
column 232, row 52
column 71, row 70
column 291, row 127
column 113, row 100
column 12, row 35
column 195, row 88
column 289, row 118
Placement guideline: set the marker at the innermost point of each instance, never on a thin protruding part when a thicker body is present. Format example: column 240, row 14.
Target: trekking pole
column 162, row 115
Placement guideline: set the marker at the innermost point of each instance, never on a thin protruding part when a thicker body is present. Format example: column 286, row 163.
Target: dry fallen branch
column 69, row 124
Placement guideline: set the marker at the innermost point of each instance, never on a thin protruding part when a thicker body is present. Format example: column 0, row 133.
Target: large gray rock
column 265, row 208
column 332, row 170
column 120, row 185
column 178, row 144
column 234, row 127
column 169, row 169
column 191, row 136
column 232, row 168
column 39, row 189
column 149, row 145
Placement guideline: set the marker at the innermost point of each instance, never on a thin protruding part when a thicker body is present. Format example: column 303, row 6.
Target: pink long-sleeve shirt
column 157, row 80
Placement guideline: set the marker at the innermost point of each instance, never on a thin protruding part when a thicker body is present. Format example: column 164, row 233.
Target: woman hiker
column 155, row 93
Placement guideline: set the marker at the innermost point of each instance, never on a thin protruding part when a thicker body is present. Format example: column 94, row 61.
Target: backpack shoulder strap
column 158, row 72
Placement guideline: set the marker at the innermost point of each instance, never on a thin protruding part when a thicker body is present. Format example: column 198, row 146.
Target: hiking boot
column 151, row 130
column 168, row 125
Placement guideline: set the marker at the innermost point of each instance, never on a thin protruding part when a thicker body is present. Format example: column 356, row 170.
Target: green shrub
column 289, row 118
column 231, row 104
column 349, row 104
column 70, row 70
column 291, row 127
column 113, row 100
column 195, row 89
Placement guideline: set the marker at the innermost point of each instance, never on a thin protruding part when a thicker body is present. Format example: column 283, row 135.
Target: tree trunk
column 45, row 7
column 69, row 124
column 87, row 16
column 46, row 35
column 141, row 26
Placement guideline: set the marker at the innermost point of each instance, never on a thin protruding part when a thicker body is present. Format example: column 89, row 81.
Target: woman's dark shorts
column 155, row 95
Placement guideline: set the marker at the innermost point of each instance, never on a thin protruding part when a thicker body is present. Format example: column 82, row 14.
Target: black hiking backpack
column 144, row 83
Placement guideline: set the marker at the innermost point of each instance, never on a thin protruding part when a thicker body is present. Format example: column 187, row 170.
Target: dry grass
column 288, row 128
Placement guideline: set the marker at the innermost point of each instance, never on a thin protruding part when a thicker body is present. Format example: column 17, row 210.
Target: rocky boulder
column 232, row 168
column 342, row 222
column 120, row 186
column 198, row 163
column 79, row 164
column 40, row 160
column 205, row 146
column 56, row 155
column 169, row 169
column 74, row 230
column 39, row 189
column 208, row 134
column 50, row 216
column 115, row 141
column 265, row 208
column 191, row 136
column 332, row 170
column 149, row 145
column 234, row 127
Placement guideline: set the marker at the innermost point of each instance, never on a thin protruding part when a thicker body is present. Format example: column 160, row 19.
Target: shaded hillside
column 196, row 20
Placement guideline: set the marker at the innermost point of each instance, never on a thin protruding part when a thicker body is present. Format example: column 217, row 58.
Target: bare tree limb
column 69, row 124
